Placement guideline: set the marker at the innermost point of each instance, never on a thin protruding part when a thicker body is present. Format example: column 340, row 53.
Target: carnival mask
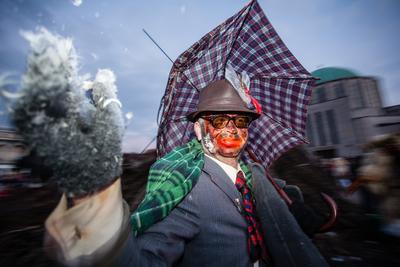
column 226, row 134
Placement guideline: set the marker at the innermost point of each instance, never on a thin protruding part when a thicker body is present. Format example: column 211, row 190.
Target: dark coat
column 208, row 229
column 205, row 229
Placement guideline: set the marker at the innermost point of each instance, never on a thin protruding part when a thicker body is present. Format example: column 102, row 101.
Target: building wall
column 336, row 127
column 392, row 110
column 371, row 127
column 345, row 114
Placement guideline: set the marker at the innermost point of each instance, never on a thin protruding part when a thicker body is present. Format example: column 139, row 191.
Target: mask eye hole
column 220, row 122
column 242, row 121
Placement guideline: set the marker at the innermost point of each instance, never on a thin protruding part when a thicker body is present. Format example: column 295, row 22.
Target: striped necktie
column 255, row 241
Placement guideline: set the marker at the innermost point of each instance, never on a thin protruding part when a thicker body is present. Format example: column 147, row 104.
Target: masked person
column 199, row 208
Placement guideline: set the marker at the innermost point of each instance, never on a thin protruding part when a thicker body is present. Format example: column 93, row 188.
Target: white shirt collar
column 228, row 169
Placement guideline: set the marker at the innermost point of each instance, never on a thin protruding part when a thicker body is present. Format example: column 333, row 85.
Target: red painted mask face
column 228, row 141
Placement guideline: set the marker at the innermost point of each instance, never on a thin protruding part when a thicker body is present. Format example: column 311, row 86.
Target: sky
column 360, row 35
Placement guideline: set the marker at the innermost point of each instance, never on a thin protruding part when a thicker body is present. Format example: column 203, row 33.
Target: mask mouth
column 230, row 142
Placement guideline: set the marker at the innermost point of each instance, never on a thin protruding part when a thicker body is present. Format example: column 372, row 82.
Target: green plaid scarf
column 171, row 178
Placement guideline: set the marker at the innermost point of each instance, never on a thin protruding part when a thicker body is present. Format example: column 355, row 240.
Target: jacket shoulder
column 258, row 169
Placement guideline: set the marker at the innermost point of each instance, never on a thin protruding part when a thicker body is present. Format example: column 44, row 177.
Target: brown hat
column 220, row 96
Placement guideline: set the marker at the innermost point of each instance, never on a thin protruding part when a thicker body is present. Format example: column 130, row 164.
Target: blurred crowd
column 372, row 181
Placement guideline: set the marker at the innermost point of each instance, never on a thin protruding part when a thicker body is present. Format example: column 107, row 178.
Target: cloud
column 94, row 55
column 76, row 2
column 182, row 9
column 129, row 115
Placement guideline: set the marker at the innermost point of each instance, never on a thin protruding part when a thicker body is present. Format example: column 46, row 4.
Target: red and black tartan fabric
column 248, row 42
column 255, row 241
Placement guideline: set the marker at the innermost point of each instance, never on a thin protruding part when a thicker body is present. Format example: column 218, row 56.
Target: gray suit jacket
column 205, row 229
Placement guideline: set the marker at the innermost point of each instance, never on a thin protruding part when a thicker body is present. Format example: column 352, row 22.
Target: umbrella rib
column 164, row 107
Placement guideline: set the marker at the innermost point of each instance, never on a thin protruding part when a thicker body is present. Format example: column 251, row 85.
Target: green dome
column 331, row 74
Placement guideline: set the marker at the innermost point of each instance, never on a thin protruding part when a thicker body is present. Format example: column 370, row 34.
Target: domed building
column 345, row 112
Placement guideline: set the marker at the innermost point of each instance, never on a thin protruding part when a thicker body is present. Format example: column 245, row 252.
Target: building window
column 371, row 94
column 330, row 116
column 314, row 96
column 309, row 129
column 321, row 94
column 358, row 95
column 339, row 90
column 320, row 128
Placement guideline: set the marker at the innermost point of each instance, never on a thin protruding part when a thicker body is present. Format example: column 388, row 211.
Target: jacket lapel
column 222, row 181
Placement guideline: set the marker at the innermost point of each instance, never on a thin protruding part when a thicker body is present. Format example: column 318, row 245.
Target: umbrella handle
column 333, row 214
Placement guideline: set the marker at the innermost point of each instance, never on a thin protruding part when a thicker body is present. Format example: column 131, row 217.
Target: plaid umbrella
column 248, row 42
